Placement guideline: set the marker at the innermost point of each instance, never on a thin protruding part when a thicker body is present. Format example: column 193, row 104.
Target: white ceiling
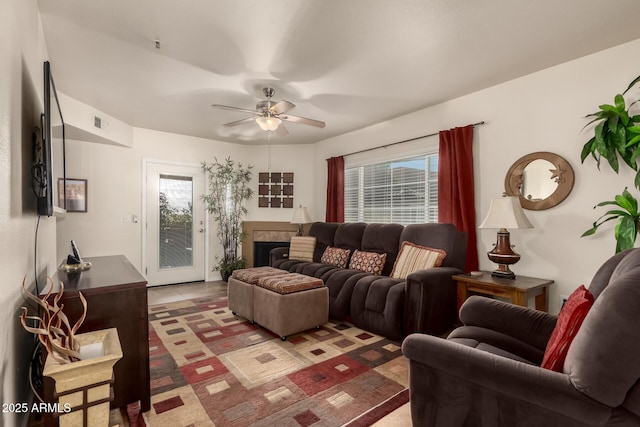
column 350, row 63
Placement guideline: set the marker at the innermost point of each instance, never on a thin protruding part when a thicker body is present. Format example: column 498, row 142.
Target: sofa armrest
column 430, row 300
column 512, row 380
column 525, row 324
column 278, row 254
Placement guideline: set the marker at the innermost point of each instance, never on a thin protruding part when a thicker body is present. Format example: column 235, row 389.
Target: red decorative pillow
column 570, row 319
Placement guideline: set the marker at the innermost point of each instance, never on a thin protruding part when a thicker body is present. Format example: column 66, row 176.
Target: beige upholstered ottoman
column 290, row 304
column 240, row 288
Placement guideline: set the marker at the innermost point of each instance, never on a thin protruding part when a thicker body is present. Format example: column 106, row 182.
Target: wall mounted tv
column 50, row 169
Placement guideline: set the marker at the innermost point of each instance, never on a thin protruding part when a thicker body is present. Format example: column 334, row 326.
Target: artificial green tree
column 228, row 192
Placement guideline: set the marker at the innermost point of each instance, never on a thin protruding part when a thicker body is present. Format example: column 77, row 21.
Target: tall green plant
column 228, row 191
column 628, row 218
column 616, row 134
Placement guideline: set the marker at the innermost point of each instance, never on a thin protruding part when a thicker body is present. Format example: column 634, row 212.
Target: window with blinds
column 403, row 191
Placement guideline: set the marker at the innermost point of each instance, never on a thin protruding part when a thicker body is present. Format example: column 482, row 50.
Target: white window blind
column 403, row 191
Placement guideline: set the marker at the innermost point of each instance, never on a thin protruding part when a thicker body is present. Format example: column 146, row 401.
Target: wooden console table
column 116, row 296
column 518, row 290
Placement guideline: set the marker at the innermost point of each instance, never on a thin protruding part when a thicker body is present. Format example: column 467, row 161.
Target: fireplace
column 261, row 251
column 262, row 236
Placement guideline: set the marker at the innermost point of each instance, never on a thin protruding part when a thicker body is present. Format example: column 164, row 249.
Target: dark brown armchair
column 487, row 372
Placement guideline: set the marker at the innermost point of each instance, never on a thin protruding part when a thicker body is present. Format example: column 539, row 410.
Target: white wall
column 80, row 124
column 114, row 177
column 540, row 112
column 113, row 189
column 283, row 158
column 22, row 52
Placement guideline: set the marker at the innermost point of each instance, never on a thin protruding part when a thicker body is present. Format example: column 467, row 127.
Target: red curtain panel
column 335, row 189
column 456, row 203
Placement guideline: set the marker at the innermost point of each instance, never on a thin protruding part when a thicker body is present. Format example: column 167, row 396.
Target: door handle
column 201, row 230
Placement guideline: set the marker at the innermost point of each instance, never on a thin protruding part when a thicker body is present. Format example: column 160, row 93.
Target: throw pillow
column 369, row 262
column 569, row 321
column 414, row 257
column 335, row 256
column 302, row 247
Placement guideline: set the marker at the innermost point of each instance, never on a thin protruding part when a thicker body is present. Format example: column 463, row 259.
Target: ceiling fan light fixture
column 268, row 123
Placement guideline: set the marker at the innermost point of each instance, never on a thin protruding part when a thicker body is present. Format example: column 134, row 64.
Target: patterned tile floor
column 173, row 293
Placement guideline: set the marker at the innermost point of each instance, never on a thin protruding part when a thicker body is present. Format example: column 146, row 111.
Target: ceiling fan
column 269, row 115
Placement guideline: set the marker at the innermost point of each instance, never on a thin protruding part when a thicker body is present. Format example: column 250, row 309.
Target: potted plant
column 617, row 137
column 228, row 192
column 626, row 212
column 616, row 134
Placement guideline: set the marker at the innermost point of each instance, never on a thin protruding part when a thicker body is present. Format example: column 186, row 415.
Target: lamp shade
column 506, row 212
column 300, row 216
column 268, row 123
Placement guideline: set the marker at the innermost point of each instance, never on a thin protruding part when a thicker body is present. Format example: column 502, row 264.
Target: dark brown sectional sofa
column 424, row 302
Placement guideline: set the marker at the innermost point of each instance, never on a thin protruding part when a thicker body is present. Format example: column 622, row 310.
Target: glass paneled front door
column 175, row 224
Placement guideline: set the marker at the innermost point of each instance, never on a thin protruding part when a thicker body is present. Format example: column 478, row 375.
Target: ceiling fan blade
column 243, row 110
column 237, row 122
column 281, row 130
column 281, row 107
column 303, row 120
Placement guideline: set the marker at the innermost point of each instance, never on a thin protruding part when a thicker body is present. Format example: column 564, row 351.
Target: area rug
column 210, row 368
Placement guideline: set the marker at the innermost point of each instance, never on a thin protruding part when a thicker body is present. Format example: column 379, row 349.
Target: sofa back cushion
column 439, row 236
column 324, row 233
column 602, row 361
column 602, row 277
column 349, row 235
column 383, row 239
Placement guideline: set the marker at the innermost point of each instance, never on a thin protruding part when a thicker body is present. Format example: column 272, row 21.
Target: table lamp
column 300, row 217
column 505, row 212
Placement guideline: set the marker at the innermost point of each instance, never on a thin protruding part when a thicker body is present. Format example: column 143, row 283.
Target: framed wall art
column 275, row 190
column 75, row 192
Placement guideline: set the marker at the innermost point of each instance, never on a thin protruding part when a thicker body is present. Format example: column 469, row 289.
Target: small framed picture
column 75, row 193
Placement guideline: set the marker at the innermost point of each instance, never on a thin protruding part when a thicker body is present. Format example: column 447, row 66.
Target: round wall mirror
column 541, row 180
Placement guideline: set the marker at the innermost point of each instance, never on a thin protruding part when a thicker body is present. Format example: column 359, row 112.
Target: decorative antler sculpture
column 53, row 329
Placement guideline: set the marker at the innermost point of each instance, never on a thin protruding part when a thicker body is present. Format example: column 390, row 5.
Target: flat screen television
column 50, row 171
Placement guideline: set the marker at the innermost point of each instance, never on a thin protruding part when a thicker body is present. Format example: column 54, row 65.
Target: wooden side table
column 116, row 296
column 518, row 290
